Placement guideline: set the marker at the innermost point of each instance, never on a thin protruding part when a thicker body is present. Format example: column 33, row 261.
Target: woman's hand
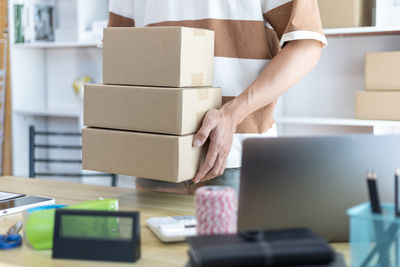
column 219, row 127
column 295, row 60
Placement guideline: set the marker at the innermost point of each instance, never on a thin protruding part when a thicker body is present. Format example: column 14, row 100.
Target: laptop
column 312, row 181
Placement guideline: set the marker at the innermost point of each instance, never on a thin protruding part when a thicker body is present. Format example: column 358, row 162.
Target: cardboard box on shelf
column 377, row 105
column 156, row 156
column 158, row 56
column 177, row 111
column 382, row 71
column 345, row 13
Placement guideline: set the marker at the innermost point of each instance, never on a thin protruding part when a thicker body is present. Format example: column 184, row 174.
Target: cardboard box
column 345, row 13
column 377, row 105
column 158, row 56
column 149, row 109
column 382, row 71
column 156, row 156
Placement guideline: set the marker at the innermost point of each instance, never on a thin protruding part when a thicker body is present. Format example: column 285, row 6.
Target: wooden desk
column 154, row 253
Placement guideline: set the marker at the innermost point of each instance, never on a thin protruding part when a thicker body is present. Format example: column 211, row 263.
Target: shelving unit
column 378, row 127
column 42, row 74
column 323, row 102
column 49, row 45
column 3, row 89
column 337, row 121
column 362, row 31
column 67, row 113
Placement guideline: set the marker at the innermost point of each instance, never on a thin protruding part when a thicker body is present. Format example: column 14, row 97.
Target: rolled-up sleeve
column 294, row 20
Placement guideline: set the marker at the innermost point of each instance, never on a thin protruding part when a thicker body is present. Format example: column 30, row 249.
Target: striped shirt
column 248, row 34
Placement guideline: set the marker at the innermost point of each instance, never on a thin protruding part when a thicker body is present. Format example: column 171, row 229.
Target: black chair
column 33, row 146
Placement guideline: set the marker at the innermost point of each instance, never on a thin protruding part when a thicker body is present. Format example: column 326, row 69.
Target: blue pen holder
column 374, row 238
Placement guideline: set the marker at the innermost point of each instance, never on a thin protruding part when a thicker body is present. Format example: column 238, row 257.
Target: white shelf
column 69, row 113
column 336, row 121
column 372, row 30
column 57, row 45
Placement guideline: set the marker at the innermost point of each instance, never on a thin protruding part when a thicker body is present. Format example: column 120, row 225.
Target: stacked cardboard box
column 157, row 89
column 381, row 98
column 345, row 13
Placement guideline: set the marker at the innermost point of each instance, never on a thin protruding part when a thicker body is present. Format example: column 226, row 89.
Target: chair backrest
column 33, row 160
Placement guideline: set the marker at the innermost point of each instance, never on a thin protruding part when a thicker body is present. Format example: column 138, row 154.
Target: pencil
column 376, row 209
column 373, row 193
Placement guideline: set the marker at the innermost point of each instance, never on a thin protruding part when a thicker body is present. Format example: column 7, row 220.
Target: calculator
column 173, row 229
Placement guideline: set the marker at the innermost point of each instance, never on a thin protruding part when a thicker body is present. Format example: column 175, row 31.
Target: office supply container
column 374, row 238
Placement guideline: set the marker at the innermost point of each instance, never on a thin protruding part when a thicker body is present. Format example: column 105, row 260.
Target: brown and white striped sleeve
column 294, row 20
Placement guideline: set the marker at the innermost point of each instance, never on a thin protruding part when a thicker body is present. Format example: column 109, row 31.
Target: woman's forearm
column 295, row 60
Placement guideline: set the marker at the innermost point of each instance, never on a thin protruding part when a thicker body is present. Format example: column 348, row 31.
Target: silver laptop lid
column 312, row 181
